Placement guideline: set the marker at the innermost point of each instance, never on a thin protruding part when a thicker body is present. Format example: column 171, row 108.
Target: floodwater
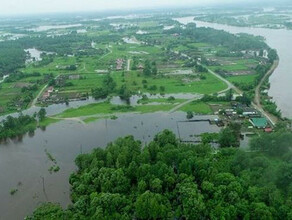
column 56, row 108
column 115, row 100
column 50, row 27
column 131, row 40
column 279, row 39
column 24, row 164
column 35, row 55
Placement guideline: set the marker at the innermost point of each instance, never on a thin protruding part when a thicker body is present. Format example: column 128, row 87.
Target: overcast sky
column 43, row 6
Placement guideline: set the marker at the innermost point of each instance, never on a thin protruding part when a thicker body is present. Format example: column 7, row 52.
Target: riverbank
column 280, row 80
column 257, row 100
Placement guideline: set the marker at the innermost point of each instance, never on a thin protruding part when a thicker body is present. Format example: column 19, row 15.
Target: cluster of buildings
column 52, row 95
column 48, row 93
column 120, row 64
column 256, row 53
column 240, row 111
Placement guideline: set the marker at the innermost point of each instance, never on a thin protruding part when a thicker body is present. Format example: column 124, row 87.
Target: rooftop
column 259, row 122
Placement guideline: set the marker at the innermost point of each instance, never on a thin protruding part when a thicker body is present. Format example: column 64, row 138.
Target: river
column 279, row 39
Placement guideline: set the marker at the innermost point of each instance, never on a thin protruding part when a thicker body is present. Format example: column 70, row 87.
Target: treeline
column 62, row 45
column 220, row 38
column 12, row 127
column 12, row 57
column 170, row 180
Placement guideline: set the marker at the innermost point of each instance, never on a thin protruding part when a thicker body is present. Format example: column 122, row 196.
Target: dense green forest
column 217, row 37
column 12, row 57
column 170, row 180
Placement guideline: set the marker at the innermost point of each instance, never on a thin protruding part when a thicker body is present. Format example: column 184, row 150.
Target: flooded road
column 279, row 39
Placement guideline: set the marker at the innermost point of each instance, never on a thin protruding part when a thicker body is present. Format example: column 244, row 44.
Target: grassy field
column 47, row 121
column 232, row 64
column 249, row 79
column 97, row 51
column 172, row 84
column 106, row 108
column 161, row 100
column 197, row 107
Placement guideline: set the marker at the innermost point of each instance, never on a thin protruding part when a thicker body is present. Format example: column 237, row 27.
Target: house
column 119, row 63
column 50, row 89
column 46, row 95
column 230, row 112
column 74, row 77
column 247, row 111
column 259, row 122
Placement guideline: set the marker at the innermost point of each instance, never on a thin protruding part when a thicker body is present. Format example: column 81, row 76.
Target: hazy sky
column 41, row 6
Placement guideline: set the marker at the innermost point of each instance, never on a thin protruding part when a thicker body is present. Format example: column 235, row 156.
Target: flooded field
column 24, row 164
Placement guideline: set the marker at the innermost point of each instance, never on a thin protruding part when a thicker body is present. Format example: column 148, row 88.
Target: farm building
column 259, row 122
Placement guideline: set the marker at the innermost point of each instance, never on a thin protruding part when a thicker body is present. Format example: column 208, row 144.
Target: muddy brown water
column 24, row 164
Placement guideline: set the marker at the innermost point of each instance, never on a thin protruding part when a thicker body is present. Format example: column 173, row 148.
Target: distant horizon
column 13, row 8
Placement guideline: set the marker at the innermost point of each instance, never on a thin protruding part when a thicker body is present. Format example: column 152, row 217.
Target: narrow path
column 69, row 119
column 128, row 64
column 38, row 95
column 257, row 100
column 84, row 70
column 229, row 86
column 103, row 56
column 184, row 103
